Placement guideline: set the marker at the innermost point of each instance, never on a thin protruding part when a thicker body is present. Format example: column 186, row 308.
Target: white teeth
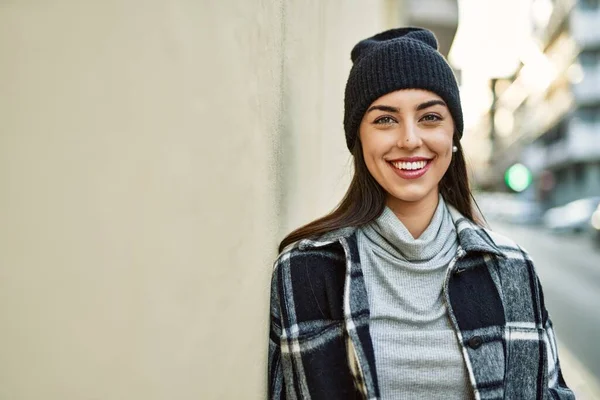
column 410, row 165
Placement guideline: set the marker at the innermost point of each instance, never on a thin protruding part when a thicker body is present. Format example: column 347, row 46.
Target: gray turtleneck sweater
column 417, row 354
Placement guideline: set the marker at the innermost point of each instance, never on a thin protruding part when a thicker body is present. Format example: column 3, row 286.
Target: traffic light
column 518, row 177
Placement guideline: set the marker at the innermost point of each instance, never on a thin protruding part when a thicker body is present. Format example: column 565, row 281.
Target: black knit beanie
column 402, row 58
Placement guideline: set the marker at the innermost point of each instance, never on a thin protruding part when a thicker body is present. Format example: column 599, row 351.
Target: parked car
column 572, row 217
column 508, row 207
column 595, row 222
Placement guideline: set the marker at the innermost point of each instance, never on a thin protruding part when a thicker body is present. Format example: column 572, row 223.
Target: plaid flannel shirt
column 319, row 342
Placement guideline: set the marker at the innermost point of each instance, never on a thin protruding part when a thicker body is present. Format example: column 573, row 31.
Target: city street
column 569, row 268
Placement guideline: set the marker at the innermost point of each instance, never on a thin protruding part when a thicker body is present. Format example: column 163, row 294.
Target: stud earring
column 454, row 149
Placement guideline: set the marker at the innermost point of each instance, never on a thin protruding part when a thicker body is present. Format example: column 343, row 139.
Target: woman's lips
column 410, row 173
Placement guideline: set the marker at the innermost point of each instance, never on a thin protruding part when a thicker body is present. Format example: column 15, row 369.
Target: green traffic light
column 518, row 177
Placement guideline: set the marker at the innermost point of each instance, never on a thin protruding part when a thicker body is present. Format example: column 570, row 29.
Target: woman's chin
column 410, row 196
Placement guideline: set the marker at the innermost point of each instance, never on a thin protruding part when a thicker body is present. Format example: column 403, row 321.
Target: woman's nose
column 408, row 136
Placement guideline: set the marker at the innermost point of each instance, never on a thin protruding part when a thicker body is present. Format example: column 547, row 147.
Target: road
column 569, row 269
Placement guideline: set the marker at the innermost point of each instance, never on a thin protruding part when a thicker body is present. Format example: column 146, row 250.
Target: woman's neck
column 416, row 215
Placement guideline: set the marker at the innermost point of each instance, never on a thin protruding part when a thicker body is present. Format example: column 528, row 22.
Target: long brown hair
column 365, row 198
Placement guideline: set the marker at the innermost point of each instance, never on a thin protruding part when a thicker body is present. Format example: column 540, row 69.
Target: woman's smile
column 410, row 169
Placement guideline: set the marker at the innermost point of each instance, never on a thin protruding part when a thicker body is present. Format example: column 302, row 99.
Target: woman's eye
column 431, row 118
column 385, row 121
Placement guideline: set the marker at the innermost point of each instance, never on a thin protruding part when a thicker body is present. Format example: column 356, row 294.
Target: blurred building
column 440, row 16
column 546, row 116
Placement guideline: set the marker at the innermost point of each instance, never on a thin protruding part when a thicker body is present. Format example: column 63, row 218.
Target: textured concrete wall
column 137, row 225
column 318, row 38
column 146, row 148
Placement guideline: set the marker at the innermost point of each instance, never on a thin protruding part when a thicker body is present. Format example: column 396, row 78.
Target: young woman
column 400, row 292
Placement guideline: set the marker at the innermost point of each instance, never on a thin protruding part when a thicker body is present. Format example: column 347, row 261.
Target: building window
column 589, row 4
column 561, row 178
column 555, row 134
column 589, row 59
column 589, row 115
column 578, row 172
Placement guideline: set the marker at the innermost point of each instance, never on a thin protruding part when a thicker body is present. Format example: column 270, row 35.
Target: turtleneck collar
column 437, row 243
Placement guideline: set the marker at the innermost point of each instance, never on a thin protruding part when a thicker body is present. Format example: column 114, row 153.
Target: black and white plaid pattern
column 320, row 347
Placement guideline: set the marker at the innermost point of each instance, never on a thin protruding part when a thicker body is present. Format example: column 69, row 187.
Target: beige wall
column 146, row 148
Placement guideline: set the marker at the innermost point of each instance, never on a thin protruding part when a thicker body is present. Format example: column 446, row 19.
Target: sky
column 492, row 38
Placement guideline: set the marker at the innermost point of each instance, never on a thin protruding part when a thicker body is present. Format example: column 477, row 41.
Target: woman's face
column 406, row 139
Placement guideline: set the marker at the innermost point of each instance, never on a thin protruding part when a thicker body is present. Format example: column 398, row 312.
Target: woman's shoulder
column 513, row 257
column 475, row 235
column 320, row 243
column 317, row 252
column 504, row 243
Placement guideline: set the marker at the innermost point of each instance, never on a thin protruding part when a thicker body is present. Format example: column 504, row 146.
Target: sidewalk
column 579, row 379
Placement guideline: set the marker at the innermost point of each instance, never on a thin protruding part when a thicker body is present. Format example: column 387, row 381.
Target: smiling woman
column 400, row 292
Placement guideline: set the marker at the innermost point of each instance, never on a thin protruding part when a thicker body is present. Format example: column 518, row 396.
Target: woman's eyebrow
column 420, row 107
column 430, row 103
column 383, row 108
